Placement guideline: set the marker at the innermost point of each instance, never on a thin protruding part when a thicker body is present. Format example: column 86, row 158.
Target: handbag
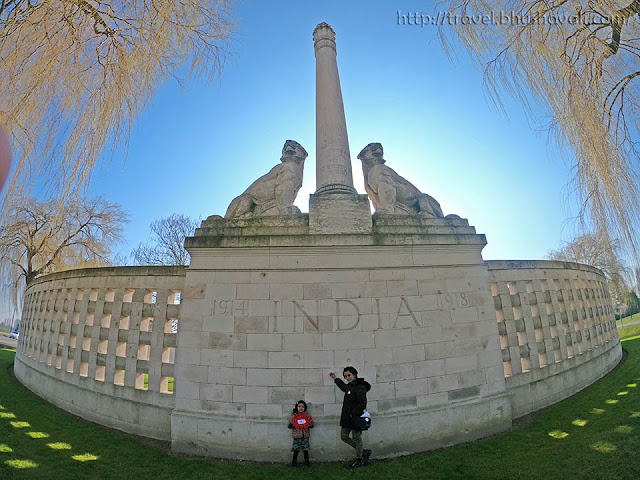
column 362, row 422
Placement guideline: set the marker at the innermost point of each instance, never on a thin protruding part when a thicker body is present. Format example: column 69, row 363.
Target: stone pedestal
column 270, row 309
column 339, row 213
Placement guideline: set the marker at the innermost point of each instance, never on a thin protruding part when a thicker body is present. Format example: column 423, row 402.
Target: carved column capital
column 324, row 36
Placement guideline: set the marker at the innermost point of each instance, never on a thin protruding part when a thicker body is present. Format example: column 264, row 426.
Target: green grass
column 146, row 382
column 630, row 331
column 593, row 435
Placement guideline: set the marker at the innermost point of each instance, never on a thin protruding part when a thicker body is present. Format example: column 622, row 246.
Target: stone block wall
column 101, row 342
column 556, row 329
column 270, row 310
column 252, row 343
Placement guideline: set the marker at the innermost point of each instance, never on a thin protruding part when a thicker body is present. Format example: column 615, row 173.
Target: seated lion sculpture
column 389, row 192
column 275, row 192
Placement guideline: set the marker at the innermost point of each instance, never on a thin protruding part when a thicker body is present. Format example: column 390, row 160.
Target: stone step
column 298, row 225
column 304, row 230
column 423, row 229
column 222, row 241
column 416, row 220
column 216, row 221
column 253, row 231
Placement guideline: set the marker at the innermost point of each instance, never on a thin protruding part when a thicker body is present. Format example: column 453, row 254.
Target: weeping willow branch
column 582, row 69
column 75, row 75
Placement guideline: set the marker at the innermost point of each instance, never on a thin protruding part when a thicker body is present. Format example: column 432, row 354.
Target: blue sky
column 193, row 151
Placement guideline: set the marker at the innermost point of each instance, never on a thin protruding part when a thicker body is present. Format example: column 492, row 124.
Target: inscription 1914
column 230, row 307
column 346, row 313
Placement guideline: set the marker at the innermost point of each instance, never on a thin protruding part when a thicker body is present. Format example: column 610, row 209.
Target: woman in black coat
column 353, row 406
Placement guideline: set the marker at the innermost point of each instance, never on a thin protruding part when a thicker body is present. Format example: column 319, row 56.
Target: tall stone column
column 333, row 159
column 336, row 207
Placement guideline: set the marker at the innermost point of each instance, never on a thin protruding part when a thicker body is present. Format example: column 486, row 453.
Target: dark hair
column 295, row 409
column 352, row 370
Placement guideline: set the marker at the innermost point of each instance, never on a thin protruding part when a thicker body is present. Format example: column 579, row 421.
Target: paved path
column 635, row 322
column 8, row 342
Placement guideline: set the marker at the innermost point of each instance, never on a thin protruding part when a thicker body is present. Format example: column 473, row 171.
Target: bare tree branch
column 167, row 241
column 598, row 250
column 39, row 237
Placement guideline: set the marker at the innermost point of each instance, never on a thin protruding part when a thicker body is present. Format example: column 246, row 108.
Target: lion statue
column 389, row 192
column 275, row 192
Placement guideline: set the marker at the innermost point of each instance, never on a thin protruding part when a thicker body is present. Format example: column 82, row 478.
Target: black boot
column 306, row 458
column 366, row 454
column 294, row 462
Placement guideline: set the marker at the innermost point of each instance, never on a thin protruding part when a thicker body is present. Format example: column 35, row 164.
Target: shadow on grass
column 594, row 434
column 601, row 424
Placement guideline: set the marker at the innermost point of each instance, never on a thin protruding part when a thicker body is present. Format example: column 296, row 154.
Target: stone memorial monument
column 273, row 302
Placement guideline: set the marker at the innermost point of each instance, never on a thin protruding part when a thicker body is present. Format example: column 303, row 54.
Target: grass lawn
column 630, row 331
column 593, row 435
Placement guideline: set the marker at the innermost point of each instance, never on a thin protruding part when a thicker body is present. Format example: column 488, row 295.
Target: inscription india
column 342, row 314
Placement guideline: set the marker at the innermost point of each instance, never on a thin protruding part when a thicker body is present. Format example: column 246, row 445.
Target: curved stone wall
column 100, row 343
column 557, row 329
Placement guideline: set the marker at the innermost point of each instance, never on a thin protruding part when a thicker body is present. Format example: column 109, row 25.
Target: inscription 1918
column 452, row 300
column 346, row 313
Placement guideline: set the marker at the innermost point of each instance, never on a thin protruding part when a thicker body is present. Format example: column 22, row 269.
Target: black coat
column 355, row 400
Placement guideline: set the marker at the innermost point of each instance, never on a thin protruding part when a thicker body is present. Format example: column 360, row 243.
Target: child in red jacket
column 300, row 423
